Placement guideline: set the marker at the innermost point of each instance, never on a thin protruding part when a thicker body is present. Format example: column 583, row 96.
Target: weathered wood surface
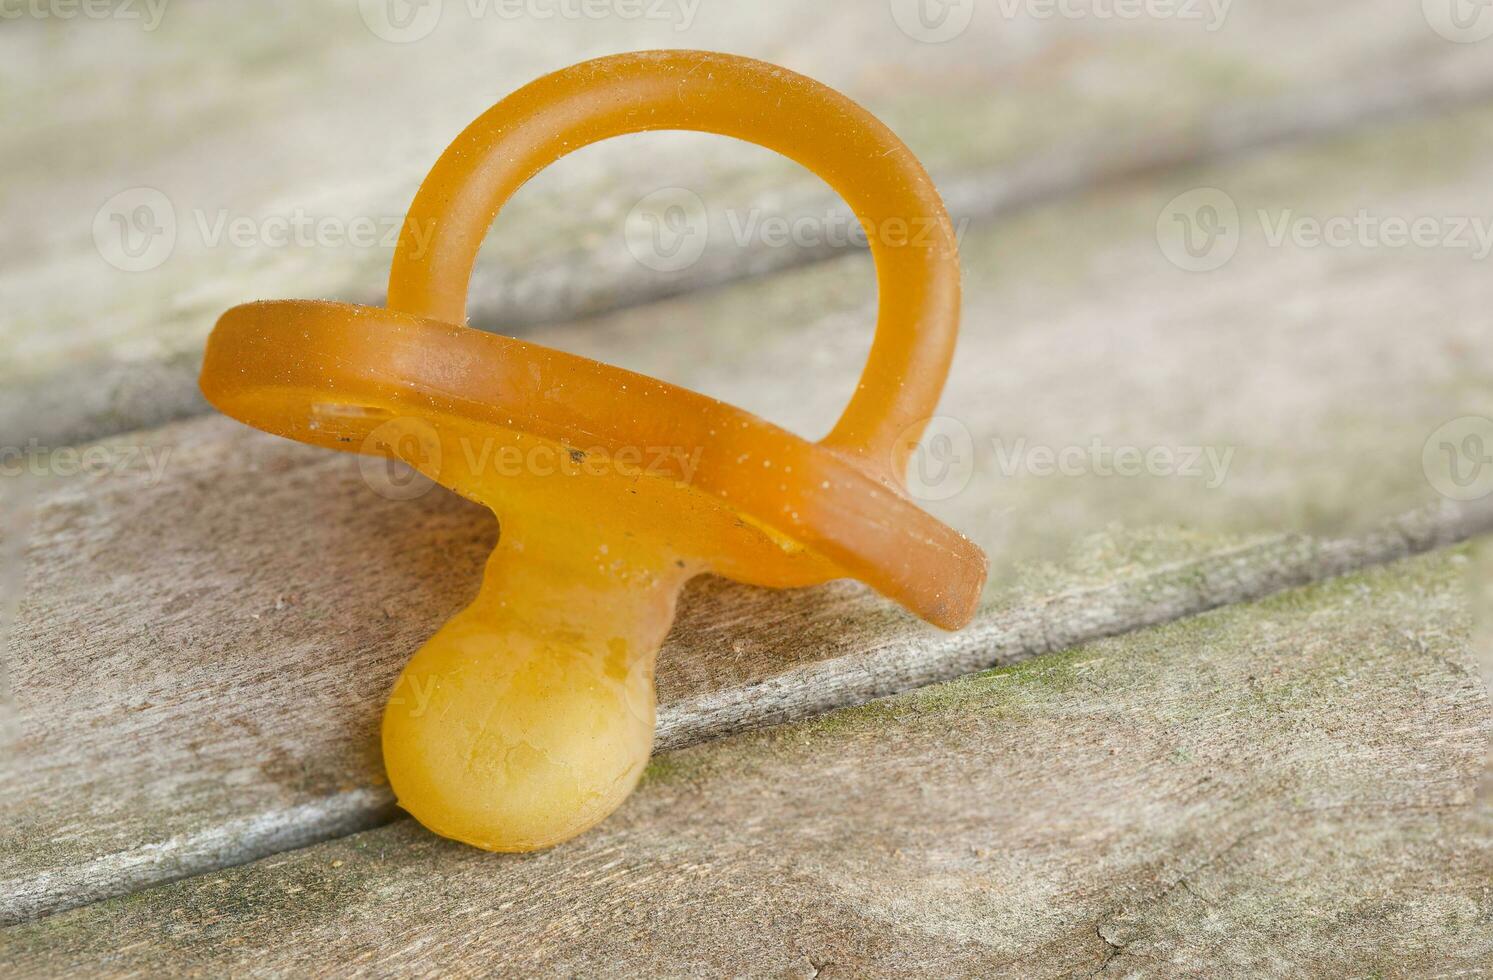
column 200, row 682
column 1282, row 789
column 1480, row 590
column 304, row 112
column 199, row 662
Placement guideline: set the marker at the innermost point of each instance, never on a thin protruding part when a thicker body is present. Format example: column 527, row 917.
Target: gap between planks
column 110, row 397
column 996, row 638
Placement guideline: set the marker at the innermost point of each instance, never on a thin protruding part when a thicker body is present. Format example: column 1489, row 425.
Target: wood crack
column 802, row 692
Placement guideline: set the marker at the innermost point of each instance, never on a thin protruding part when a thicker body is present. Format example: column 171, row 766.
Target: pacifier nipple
column 529, row 716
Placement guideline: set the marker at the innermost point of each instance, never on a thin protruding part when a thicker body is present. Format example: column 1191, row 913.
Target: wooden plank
column 1010, row 113
column 244, row 614
column 1480, row 591
column 1276, row 789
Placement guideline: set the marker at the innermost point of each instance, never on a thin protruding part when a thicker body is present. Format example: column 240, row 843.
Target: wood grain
column 1282, row 788
column 295, row 118
column 201, row 653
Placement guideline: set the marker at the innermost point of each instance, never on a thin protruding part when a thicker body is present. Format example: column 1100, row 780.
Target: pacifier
column 536, row 710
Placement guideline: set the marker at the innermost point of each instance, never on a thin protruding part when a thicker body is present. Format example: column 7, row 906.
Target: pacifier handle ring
column 911, row 238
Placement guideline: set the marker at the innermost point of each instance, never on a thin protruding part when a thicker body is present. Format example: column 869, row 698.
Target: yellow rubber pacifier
column 536, row 709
